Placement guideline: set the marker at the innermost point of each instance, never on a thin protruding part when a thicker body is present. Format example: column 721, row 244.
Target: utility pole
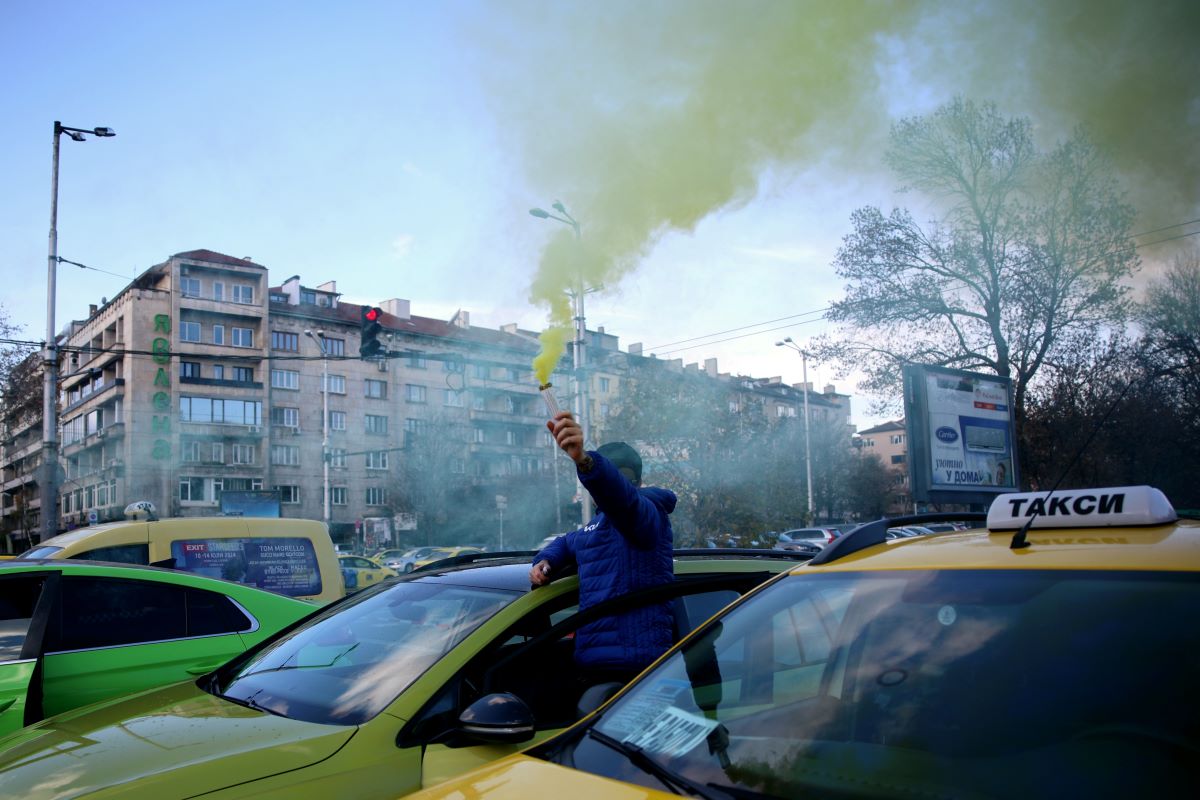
column 320, row 340
column 787, row 342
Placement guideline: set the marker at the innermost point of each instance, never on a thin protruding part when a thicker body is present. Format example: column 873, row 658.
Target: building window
column 243, row 337
column 189, row 331
column 478, row 402
column 243, row 374
column 244, row 453
column 243, row 293
column 337, row 420
column 417, row 361
column 337, row 384
column 898, row 438
column 376, row 496
column 477, row 436
column 510, row 437
column 216, row 452
column 377, row 424
column 338, row 495
column 454, row 366
column 213, row 409
column 898, row 459
column 337, row 457
column 285, row 379
column 218, row 334
column 285, row 341
column 189, row 369
column 335, row 347
column 456, row 398
column 190, row 287
column 190, row 452
column 219, row 372
column 458, row 466
column 288, row 495
column 604, row 385
column 514, row 374
column 200, row 490
column 414, row 393
column 285, row 455
column 218, row 290
column 376, row 389
column 287, row 417
column 483, row 371
column 308, row 297
column 377, row 459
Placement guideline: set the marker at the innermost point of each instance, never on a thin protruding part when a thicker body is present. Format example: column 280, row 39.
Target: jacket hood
column 171, row 742
column 663, row 498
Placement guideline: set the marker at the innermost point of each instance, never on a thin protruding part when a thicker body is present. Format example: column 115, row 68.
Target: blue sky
column 396, row 147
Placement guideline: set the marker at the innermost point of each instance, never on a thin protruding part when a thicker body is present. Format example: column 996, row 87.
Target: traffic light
column 369, row 328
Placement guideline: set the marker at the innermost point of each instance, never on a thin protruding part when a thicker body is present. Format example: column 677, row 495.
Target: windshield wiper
column 639, row 758
column 285, row 667
column 249, row 702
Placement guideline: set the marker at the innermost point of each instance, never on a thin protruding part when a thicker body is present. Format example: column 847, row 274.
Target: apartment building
column 889, row 442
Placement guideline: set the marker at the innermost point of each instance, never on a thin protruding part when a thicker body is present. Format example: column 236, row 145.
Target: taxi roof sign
column 1117, row 506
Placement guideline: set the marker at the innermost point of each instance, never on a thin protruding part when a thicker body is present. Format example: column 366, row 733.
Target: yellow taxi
column 359, row 572
column 435, row 554
column 1052, row 654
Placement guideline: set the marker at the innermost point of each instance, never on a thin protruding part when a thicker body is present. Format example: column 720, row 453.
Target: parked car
column 436, row 554
column 75, row 632
column 375, row 696
column 406, row 561
column 927, row 666
column 359, row 572
column 820, row 535
column 295, row 557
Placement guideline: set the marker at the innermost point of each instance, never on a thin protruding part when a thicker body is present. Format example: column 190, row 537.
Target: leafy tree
column 1028, row 255
column 1170, row 316
column 868, row 486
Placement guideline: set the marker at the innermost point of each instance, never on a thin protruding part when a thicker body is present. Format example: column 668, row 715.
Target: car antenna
column 1019, row 540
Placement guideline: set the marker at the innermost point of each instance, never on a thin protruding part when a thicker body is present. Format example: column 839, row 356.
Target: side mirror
column 500, row 718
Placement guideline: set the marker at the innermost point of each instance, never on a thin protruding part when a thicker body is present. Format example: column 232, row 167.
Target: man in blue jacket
column 627, row 546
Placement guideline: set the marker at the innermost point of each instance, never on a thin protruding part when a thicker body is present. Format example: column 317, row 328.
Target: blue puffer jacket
column 626, row 546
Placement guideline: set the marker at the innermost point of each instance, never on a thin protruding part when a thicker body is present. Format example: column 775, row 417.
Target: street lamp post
column 319, row 338
column 580, row 360
column 50, row 353
column 787, row 342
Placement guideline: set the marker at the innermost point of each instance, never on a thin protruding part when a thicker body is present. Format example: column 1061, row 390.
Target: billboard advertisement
column 961, row 435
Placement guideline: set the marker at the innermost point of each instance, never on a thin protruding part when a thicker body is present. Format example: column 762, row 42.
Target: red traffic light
column 373, row 314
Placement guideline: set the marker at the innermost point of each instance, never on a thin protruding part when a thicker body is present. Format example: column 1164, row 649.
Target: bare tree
column 1030, row 252
column 1170, row 316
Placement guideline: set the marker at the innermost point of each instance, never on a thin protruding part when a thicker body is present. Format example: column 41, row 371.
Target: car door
column 111, row 636
column 533, row 660
column 22, row 622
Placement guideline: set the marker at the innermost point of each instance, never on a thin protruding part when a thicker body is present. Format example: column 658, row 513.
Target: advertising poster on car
column 961, row 432
column 284, row 565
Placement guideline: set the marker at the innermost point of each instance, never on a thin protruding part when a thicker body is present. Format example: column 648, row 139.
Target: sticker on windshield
column 947, row 615
column 640, row 710
column 674, row 733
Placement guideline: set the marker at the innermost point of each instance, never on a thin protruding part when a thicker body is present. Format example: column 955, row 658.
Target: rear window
column 284, row 565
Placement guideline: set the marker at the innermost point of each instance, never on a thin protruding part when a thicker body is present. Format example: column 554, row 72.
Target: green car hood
column 172, row 742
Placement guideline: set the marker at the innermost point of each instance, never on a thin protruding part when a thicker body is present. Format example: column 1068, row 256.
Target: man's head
column 625, row 459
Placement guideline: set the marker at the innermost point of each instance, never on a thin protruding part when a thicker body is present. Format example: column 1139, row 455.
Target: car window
column 19, row 595
column 121, row 553
column 287, row 565
column 345, row 665
column 103, row 612
column 885, row 669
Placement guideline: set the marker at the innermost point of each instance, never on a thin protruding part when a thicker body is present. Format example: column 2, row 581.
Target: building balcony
column 255, row 385
column 221, row 430
column 98, row 397
column 18, row 482
column 225, row 308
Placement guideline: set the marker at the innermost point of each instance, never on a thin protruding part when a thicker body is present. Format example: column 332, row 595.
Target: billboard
column 250, row 503
column 961, row 435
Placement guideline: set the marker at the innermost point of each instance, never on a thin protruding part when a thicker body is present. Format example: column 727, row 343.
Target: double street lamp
column 787, row 342
column 581, row 402
column 49, row 483
column 319, row 338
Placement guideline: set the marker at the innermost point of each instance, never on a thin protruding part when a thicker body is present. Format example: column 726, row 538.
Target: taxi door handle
column 204, row 669
column 5, row 705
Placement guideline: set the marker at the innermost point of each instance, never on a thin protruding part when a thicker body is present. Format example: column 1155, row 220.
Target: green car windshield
column 996, row 683
column 347, row 664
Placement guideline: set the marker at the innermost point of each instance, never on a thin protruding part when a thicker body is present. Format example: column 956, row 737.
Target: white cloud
column 402, row 246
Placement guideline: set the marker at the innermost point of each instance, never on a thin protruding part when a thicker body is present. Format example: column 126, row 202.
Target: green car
column 389, row 690
column 76, row 632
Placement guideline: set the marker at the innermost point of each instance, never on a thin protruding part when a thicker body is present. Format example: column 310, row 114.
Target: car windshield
column 347, row 664
column 921, row 684
column 41, row 552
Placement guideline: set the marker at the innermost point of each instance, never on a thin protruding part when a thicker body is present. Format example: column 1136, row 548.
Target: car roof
column 510, row 571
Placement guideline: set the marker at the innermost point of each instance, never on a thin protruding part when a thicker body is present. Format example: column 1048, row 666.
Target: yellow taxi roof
column 1171, row 546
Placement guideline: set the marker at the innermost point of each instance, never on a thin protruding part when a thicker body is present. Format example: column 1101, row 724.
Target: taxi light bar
column 1081, row 508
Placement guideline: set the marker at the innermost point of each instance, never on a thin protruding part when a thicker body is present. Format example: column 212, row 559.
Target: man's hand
column 568, row 434
column 539, row 573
